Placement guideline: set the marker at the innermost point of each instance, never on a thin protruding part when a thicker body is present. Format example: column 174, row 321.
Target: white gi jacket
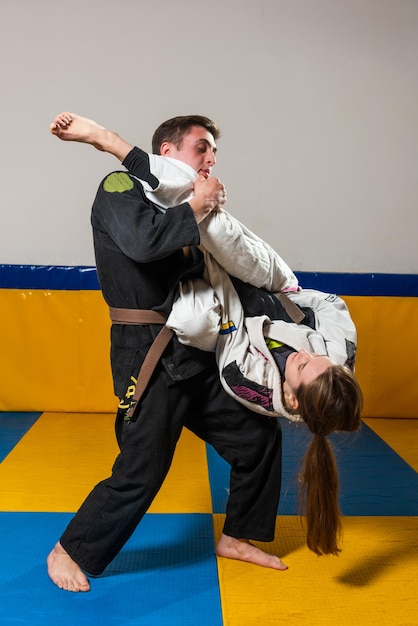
column 208, row 313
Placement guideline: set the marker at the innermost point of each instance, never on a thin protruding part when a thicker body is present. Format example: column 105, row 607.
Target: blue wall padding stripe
column 403, row 285
column 49, row 277
column 84, row 277
column 374, row 480
column 12, row 428
column 166, row 574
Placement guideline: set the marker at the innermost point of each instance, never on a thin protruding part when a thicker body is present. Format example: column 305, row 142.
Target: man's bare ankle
column 243, row 550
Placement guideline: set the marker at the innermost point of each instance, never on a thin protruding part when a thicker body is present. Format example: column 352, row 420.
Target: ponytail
column 319, row 489
column 333, row 401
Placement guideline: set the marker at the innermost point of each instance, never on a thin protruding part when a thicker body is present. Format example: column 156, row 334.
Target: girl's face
column 302, row 367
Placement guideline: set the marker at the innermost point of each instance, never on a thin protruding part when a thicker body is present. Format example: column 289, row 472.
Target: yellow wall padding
column 387, row 363
column 55, row 352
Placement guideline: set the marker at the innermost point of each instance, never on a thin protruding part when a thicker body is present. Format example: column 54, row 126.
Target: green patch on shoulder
column 118, row 182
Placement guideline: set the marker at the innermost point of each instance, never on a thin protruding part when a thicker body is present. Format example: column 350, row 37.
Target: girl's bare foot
column 243, row 550
column 65, row 572
column 72, row 127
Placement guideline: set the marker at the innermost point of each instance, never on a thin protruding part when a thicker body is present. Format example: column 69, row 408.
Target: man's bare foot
column 72, row 127
column 65, row 572
column 243, row 550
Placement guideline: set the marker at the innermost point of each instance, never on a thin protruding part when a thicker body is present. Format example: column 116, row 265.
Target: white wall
column 317, row 100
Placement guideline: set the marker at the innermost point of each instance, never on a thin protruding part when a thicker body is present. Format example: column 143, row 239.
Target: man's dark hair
column 176, row 128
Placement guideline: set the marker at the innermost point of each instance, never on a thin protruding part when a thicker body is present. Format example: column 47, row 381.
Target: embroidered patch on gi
column 331, row 297
column 227, row 328
column 351, row 354
column 247, row 389
column 118, row 182
column 128, row 402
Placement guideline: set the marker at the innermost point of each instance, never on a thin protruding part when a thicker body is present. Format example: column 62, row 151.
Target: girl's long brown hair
column 333, row 401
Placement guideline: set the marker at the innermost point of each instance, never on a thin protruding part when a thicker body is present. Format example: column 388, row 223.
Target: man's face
column 198, row 150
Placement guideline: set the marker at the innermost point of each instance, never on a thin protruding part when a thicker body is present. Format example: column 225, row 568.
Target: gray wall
column 317, row 100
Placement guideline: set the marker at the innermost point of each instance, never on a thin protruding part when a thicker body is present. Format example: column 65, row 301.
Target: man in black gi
column 142, row 252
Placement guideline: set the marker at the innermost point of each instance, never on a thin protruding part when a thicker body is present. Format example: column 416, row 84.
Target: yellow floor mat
column 63, row 456
column 372, row 581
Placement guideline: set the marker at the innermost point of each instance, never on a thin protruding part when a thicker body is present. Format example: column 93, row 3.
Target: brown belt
column 139, row 317
column 145, row 316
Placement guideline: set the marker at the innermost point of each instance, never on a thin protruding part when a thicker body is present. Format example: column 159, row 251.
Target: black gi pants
column 250, row 443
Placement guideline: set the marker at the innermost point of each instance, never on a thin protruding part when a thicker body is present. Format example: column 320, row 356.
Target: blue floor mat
column 13, row 426
column 166, row 575
column 374, row 480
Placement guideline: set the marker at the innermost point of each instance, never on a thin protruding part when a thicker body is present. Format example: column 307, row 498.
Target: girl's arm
column 73, row 127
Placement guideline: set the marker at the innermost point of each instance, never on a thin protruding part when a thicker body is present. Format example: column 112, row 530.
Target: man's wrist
column 201, row 206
